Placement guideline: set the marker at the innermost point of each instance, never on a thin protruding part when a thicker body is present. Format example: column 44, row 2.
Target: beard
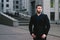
column 38, row 12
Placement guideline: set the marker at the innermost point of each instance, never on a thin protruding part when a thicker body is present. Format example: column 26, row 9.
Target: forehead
column 39, row 6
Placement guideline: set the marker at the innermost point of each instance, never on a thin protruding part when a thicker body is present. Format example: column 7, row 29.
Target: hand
column 33, row 35
column 44, row 36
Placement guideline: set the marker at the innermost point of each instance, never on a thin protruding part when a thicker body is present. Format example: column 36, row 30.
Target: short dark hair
column 38, row 5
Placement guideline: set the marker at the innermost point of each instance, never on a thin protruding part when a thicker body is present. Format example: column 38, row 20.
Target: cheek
column 39, row 9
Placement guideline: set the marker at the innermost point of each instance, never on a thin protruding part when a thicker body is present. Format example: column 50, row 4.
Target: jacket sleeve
column 47, row 25
column 30, row 25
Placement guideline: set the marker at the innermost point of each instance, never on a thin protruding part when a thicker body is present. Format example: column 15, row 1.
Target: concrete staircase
column 23, row 19
column 23, row 22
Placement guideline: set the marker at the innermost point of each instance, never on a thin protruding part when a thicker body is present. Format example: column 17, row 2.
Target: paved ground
column 22, row 33
column 54, row 29
column 11, row 33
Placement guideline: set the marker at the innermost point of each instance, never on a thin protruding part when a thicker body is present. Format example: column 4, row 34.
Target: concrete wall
column 56, row 11
column 46, row 7
column 7, row 20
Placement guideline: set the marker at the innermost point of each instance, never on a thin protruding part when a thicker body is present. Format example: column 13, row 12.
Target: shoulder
column 44, row 14
column 33, row 15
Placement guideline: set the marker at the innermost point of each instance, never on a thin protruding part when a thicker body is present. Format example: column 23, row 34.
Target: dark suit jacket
column 42, row 27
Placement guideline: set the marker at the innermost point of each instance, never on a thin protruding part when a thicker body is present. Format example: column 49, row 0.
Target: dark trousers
column 39, row 38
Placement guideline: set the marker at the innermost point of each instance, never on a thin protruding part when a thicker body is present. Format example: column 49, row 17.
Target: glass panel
column 59, row 3
column 52, row 3
column 7, row 5
column 59, row 15
column 52, row 16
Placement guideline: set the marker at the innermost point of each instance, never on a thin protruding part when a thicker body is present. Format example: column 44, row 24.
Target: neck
column 38, row 14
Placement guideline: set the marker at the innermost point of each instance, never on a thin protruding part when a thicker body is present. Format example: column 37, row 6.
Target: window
column 59, row 3
column 52, row 3
column 2, row 5
column 7, row 0
column 7, row 5
column 52, row 16
column 59, row 15
column 17, row 2
column 2, row 0
column 17, row 7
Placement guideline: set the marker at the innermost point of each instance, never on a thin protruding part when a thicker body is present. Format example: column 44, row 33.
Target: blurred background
column 15, row 15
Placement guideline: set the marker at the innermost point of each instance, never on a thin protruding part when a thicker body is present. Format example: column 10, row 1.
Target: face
column 39, row 9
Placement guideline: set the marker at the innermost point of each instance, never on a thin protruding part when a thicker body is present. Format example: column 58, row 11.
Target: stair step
column 23, row 24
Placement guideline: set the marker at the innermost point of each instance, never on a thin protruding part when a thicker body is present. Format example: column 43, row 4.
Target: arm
column 31, row 28
column 47, row 25
column 30, row 25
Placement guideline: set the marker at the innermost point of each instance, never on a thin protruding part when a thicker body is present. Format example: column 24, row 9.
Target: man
column 39, row 25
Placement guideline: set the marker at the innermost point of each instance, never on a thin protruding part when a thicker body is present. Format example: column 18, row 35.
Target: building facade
column 15, row 5
column 50, row 7
column 7, row 5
